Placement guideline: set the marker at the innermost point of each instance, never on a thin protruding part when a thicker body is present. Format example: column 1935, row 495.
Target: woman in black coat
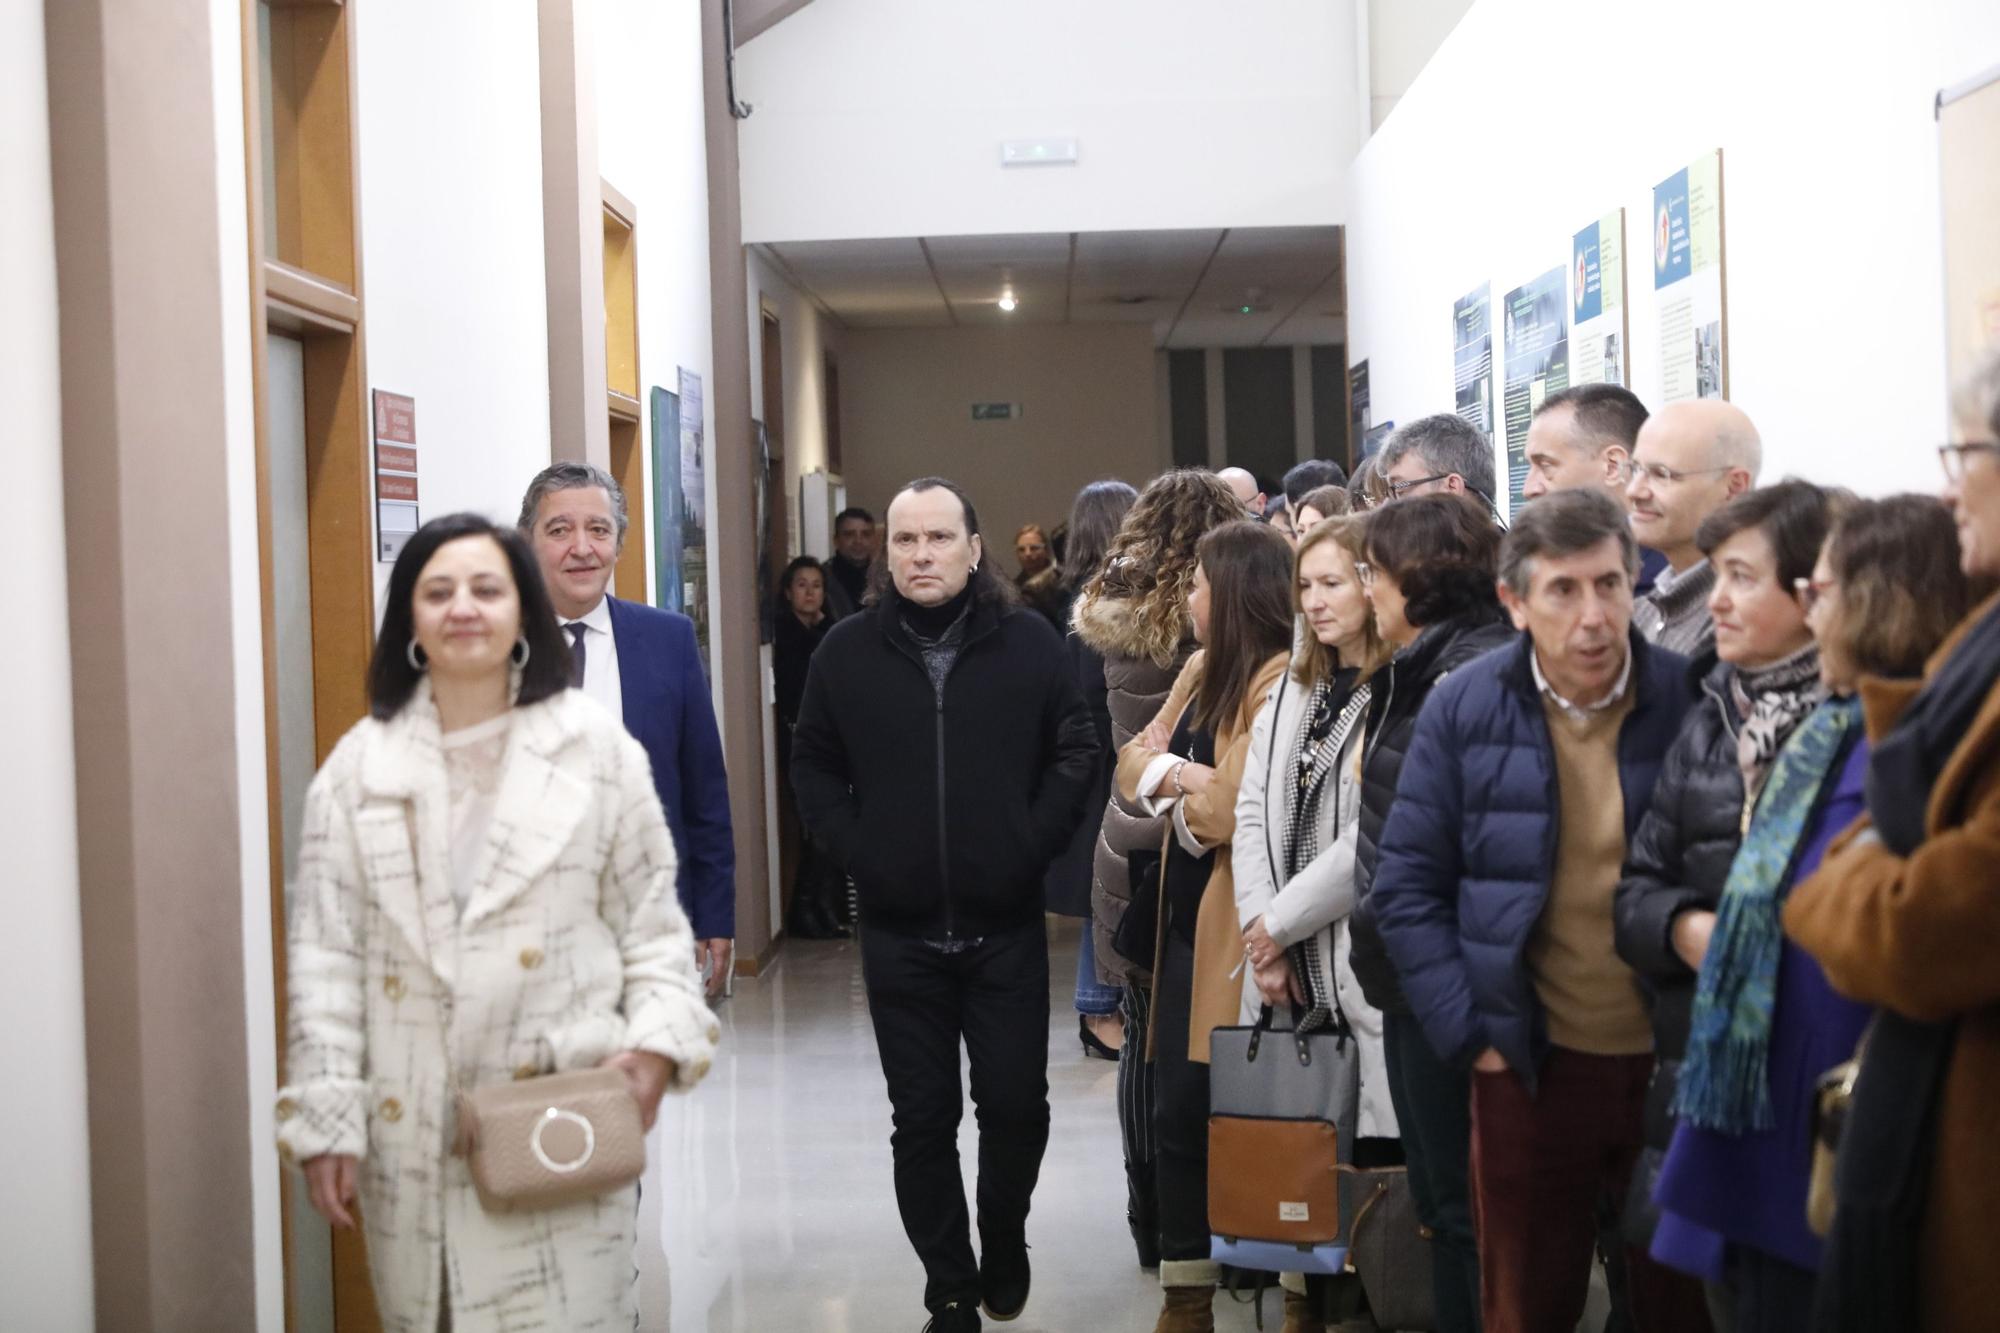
column 818, row 892
column 1100, row 507
column 1758, row 684
column 1430, row 578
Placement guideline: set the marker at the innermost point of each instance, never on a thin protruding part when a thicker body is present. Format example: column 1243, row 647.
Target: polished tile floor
column 768, row 1203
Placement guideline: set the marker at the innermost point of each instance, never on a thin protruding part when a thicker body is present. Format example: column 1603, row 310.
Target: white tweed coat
column 571, row 948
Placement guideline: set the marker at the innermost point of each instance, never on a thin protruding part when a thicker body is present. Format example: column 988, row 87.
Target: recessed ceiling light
column 1008, row 302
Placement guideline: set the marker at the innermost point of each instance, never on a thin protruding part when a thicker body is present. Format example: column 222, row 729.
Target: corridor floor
column 775, row 1209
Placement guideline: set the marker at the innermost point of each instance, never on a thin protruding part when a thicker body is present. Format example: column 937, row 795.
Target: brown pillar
column 139, row 259
column 733, row 457
column 573, row 237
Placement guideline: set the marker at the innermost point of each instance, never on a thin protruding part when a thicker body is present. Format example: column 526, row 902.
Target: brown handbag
column 1831, row 1098
column 545, row 1142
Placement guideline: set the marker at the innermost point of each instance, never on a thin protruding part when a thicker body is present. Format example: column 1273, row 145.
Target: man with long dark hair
column 942, row 757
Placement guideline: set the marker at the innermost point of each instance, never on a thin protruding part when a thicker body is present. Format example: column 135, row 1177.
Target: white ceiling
column 1190, row 286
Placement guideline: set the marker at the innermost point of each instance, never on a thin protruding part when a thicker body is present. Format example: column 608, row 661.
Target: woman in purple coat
column 1766, row 1024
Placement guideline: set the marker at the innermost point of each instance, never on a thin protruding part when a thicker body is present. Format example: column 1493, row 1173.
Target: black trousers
column 995, row 997
column 1180, row 1112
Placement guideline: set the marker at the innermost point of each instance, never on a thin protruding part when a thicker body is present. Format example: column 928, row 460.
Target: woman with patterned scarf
column 1298, row 812
column 1766, row 1023
column 1758, row 685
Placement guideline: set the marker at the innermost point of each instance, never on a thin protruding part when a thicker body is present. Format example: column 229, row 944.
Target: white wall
column 1088, row 399
column 885, row 117
column 807, row 337
column 1538, row 116
column 45, row 1259
column 449, row 98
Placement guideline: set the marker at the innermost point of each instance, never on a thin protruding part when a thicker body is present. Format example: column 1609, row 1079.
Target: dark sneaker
column 957, row 1317
column 1003, row 1282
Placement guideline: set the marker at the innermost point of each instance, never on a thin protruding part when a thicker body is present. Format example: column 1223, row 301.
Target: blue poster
column 1673, row 258
column 1587, row 275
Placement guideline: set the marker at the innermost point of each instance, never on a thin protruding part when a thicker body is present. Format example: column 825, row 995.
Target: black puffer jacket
column 1398, row 694
column 1679, row 861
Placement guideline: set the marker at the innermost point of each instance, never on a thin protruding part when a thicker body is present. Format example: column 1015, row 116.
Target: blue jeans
column 1093, row 997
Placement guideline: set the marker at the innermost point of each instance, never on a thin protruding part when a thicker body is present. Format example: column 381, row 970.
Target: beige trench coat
column 572, row 947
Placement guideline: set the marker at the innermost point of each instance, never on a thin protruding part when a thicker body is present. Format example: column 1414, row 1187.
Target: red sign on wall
column 395, row 472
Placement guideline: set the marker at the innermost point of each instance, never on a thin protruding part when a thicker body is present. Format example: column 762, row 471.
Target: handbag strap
column 1159, row 938
column 1379, row 1193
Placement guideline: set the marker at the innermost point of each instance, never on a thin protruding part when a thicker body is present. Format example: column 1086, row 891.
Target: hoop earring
column 416, row 657
column 522, row 652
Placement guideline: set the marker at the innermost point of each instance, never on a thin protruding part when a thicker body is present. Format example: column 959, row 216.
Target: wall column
column 573, row 236
column 732, row 455
column 145, row 430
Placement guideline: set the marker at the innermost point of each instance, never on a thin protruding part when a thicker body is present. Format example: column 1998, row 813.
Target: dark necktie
column 576, row 630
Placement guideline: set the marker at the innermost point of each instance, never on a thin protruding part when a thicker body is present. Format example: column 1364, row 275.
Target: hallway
column 779, row 1212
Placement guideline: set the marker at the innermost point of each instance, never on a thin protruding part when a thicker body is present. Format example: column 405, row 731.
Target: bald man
column 1246, row 488
column 1691, row 458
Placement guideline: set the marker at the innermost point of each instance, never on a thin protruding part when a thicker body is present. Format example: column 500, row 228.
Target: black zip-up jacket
column 1396, row 696
column 945, row 805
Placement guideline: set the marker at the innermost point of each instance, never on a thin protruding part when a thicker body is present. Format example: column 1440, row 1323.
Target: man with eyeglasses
column 1691, row 458
column 1438, row 454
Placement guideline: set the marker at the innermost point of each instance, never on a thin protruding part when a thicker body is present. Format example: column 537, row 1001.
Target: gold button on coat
column 287, row 1108
column 531, row 958
column 391, row 1110
column 524, row 1072
column 394, row 988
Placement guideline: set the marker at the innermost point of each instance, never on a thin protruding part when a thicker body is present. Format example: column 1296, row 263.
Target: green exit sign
column 996, row 411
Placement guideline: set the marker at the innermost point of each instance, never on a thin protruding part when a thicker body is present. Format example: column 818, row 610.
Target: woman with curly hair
column 1134, row 612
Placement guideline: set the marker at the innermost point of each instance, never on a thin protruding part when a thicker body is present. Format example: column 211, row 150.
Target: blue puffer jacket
column 1471, row 844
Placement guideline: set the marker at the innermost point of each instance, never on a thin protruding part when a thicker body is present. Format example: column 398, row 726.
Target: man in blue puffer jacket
column 1528, row 772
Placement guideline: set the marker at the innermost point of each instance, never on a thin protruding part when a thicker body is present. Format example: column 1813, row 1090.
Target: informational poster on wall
column 395, row 473
column 694, row 505
column 1360, row 417
column 1969, row 172
column 1600, row 337
column 1534, row 345
column 1687, row 275
column 1472, row 356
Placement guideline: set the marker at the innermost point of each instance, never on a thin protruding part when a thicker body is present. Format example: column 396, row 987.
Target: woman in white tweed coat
column 486, row 872
column 1337, row 653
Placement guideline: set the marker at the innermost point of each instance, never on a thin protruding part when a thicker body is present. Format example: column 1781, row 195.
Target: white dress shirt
column 600, row 658
column 1582, row 712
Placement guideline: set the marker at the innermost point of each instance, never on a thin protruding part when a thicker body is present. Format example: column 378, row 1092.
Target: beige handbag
column 545, row 1142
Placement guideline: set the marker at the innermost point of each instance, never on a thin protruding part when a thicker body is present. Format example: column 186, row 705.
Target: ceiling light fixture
column 1007, row 302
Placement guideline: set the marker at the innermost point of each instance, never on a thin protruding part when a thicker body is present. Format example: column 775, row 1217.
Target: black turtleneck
column 930, row 622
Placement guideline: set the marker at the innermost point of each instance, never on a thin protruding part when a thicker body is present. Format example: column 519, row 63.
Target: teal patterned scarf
column 1724, row 1082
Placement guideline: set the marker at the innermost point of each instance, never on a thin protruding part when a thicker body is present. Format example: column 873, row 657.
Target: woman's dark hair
column 1093, row 521
column 1442, row 550
column 1793, row 515
column 1901, row 589
column 799, row 562
column 985, row 584
column 391, row 678
column 1249, row 569
column 1329, row 501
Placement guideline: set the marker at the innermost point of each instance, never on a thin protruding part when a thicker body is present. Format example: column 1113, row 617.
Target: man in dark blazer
column 640, row 663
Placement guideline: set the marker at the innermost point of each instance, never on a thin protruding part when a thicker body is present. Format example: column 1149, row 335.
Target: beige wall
column 1088, row 408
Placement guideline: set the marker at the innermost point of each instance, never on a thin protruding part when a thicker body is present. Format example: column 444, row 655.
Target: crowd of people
column 1608, row 833
column 1642, row 845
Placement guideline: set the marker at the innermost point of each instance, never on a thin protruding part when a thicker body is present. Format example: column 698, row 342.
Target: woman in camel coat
column 1903, row 913
column 1187, row 764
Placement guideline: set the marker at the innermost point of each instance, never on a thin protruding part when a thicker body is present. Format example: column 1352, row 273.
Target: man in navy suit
column 640, row 663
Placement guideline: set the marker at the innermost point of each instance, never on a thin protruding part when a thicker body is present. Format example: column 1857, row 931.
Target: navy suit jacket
column 668, row 711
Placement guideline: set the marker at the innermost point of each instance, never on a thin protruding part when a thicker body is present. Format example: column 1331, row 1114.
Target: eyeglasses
column 1812, row 591
column 1954, row 457
column 1399, row 489
column 1663, row 475
column 1365, row 573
